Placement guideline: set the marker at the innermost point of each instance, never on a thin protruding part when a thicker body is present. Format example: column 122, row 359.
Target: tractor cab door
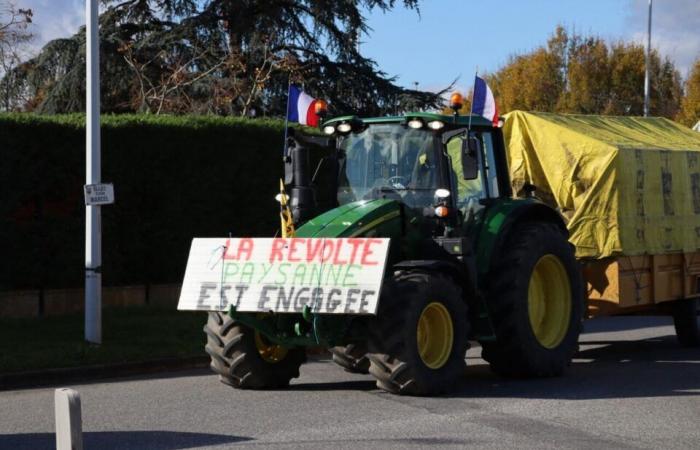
column 471, row 189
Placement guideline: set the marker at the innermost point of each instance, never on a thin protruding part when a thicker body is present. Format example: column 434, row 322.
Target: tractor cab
column 441, row 169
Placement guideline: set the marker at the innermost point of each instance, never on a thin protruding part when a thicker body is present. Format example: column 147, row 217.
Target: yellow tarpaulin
column 627, row 185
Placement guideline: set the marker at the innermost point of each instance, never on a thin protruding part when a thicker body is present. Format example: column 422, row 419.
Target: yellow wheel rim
column 549, row 301
column 435, row 335
column 269, row 352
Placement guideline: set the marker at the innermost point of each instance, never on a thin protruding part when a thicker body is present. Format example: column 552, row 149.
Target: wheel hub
column 269, row 352
column 549, row 301
column 435, row 335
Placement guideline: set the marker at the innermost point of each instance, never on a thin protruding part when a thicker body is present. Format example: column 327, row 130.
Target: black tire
column 352, row 358
column 517, row 350
column 394, row 351
column 685, row 320
column 237, row 361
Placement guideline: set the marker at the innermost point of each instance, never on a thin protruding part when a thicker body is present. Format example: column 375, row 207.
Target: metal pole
column 286, row 119
column 647, row 63
column 93, row 225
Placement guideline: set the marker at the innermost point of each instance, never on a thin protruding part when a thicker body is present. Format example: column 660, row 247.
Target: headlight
column 329, row 129
column 344, row 127
column 415, row 123
column 435, row 125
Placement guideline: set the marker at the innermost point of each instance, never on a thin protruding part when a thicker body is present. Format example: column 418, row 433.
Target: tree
column 532, row 81
column 223, row 57
column 690, row 106
column 587, row 75
column 14, row 35
column 584, row 74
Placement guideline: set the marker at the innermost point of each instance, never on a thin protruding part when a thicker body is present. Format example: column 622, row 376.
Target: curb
column 48, row 377
column 37, row 378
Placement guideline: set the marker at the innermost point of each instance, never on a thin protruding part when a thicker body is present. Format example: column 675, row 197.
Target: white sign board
column 330, row 275
column 99, row 194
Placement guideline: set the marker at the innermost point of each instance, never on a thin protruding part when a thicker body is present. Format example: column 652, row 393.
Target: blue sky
column 451, row 38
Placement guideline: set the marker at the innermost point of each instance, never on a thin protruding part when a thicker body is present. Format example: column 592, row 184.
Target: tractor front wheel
column 419, row 341
column 536, row 303
column 352, row 358
column 245, row 359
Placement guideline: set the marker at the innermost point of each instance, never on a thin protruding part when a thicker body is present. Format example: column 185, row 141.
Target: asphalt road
column 630, row 386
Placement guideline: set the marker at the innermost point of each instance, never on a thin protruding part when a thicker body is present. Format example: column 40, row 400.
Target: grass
column 128, row 334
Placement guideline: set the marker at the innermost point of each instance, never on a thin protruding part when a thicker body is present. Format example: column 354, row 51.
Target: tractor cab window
column 388, row 161
column 469, row 192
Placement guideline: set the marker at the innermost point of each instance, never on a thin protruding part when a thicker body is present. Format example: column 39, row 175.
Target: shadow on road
column 113, row 440
column 656, row 367
column 357, row 385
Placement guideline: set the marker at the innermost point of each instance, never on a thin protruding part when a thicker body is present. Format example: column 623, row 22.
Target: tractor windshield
column 389, row 161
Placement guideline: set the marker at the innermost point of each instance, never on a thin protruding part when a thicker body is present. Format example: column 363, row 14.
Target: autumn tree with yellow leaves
column 573, row 73
column 690, row 106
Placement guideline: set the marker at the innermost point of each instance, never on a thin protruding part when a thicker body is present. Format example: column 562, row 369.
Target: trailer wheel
column 685, row 320
column 244, row 359
column 419, row 339
column 536, row 304
column 352, row 358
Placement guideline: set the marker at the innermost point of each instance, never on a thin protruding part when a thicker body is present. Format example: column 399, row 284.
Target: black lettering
column 204, row 293
column 316, row 298
column 350, row 299
column 333, row 302
column 223, row 299
column 299, row 300
column 241, row 288
column 263, row 297
column 284, row 299
column 363, row 301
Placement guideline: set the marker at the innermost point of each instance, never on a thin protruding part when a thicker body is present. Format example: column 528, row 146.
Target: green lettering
column 299, row 274
column 230, row 271
column 336, row 271
column 247, row 273
column 348, row 278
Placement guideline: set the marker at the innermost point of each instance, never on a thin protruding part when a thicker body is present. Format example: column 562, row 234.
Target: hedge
column 174, row 178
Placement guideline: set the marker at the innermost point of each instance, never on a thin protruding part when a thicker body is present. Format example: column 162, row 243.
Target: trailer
column 629, row 190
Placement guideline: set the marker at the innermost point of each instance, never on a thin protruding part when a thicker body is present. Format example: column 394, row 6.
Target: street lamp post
column 647, row 63
column 93, row 225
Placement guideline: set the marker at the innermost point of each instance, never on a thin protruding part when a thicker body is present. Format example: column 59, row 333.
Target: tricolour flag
column 301, row 107
column 484, row 104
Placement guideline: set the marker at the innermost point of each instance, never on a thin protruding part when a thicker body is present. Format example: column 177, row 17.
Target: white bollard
column 69, row 423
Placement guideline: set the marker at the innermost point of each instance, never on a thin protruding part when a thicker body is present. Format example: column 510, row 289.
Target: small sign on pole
column 99, row 194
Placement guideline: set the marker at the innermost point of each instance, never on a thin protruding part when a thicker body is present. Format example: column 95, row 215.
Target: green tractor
column 466, row 261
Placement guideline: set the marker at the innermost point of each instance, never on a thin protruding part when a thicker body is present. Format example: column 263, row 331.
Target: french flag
column 484, row 103
column 301, row 107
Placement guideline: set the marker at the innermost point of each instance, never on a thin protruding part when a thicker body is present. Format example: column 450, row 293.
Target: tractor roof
column 477, row 121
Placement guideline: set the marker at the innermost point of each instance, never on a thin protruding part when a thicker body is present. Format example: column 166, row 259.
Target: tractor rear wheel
column 685, row 319
column 245, row 359
column 536, row 303
column 419, row 341
column 352, row 358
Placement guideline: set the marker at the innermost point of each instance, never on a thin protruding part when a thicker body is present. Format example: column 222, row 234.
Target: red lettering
column 336, row 254
column 315, row 251
column 327, row 245
column 367, row 251
column 245, row 246
column 276, row 251
column 227, row 250
column 293, row 249
column 355, row 242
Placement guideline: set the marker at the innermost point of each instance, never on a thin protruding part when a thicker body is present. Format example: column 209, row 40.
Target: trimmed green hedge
column 174, row 178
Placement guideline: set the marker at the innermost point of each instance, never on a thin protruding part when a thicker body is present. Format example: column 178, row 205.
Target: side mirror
column 471, row 148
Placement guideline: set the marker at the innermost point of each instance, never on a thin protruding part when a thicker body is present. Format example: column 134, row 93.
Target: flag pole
column 471, row 103
column 286, row 119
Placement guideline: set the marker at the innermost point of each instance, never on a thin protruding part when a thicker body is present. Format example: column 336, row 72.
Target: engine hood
column 381, row 218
